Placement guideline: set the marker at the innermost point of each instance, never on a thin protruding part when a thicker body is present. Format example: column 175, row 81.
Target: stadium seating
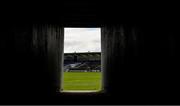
column 83, row 63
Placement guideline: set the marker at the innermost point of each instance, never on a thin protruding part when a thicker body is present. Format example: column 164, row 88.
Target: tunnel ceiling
column 88, row 13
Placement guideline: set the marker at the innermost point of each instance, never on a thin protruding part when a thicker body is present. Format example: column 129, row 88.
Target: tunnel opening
column 82, row 70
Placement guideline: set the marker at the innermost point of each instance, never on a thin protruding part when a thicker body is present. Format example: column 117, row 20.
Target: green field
column 82, row 81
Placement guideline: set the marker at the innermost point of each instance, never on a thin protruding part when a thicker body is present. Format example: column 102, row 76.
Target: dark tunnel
column 140, row 53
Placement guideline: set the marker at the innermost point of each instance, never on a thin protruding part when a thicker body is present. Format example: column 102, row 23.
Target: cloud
column 82, row 40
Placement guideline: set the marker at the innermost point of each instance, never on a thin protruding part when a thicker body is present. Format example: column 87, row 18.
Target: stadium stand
column 83, row 62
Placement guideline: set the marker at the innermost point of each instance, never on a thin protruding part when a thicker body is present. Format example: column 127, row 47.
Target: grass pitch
column 82, row 81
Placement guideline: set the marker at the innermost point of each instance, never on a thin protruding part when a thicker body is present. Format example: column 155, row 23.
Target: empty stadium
column 82, row 62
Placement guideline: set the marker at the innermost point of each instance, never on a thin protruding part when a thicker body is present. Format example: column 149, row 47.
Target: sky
column 82, row 40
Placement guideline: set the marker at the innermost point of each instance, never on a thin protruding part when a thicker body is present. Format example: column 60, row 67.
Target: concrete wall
column 48, row 43
column 137, row 61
